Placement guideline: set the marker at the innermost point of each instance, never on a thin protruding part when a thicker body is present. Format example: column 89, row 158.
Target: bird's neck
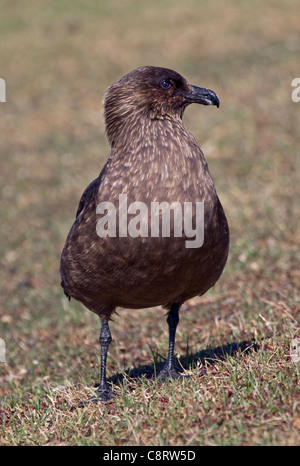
column 149, row 134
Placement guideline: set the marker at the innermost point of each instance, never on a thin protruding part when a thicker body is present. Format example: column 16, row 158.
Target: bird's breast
column 153, row 229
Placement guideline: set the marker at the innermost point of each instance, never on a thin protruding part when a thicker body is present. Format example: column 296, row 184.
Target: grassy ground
column 57, row 60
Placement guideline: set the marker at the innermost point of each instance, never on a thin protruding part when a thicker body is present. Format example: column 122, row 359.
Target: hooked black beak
column 201, row 95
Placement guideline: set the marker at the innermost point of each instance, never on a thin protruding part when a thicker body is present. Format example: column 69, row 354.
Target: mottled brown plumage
column 153, row 158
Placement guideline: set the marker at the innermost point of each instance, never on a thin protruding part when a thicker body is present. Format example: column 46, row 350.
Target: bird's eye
column 165, row 84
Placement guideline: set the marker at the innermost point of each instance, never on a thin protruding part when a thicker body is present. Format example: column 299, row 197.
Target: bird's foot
column 169, row 374
column 104, row 395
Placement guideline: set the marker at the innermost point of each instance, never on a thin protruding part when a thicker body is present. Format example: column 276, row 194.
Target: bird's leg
column 104, row 392
column 169, row 371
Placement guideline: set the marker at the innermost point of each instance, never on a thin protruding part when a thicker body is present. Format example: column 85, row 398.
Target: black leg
column 104, row 392
column 169, row 371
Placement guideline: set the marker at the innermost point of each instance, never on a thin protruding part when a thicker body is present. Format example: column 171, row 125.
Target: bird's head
column 151, row 92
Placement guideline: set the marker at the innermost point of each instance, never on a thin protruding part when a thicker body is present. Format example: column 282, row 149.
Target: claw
column 100, row 395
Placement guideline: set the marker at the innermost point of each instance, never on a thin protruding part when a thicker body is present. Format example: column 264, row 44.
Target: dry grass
column 57, row 61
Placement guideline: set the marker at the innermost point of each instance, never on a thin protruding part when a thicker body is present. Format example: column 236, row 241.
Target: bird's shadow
column 208, row 356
